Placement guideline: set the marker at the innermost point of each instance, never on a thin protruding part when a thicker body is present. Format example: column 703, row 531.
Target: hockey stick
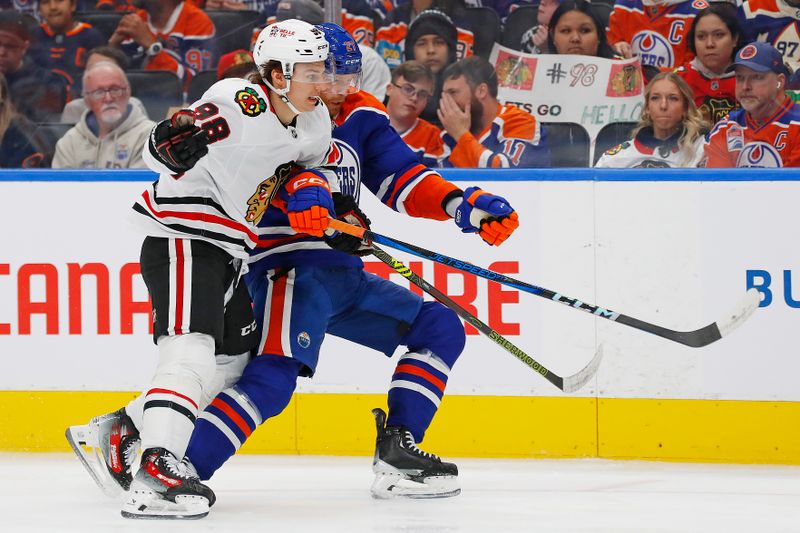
column 697, row 338
column 567, row 384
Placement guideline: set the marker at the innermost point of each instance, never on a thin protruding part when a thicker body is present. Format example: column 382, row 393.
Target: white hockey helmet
column 288, row 42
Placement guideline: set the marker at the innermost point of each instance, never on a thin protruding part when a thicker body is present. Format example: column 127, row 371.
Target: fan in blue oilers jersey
column 304, row 288
column 61, row 43
column 216, row 182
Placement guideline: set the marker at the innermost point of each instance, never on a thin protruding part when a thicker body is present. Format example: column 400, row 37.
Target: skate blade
column 149, row 506
column 83, row 441
column 392, row 485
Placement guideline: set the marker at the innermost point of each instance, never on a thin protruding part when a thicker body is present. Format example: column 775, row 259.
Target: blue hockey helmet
column 346, row 57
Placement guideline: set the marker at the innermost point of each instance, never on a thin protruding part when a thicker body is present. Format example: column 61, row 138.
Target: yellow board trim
column 469, row 426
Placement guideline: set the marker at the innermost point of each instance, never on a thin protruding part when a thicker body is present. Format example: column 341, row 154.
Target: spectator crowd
column 82, row 81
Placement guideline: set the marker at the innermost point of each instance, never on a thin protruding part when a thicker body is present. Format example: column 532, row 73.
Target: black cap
column 432, row 22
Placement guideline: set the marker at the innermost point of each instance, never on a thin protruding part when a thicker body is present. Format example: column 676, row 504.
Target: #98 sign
column 590, row 91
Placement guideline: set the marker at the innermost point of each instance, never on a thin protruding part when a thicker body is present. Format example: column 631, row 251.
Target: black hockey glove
column 347, row 210
column 177, row 142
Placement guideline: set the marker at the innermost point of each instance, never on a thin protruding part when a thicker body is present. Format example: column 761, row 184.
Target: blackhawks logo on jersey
column 265, row 192
column 618, row 148
column 252, row 105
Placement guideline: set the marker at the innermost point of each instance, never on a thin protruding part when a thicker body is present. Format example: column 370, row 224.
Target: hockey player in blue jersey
column 304, row 287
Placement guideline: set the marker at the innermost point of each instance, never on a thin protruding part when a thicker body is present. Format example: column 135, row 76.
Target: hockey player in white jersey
column 220, row 164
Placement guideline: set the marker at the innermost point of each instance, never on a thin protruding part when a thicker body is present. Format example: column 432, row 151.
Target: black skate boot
column 166, row 488
column 403, row 470
column 107, row 447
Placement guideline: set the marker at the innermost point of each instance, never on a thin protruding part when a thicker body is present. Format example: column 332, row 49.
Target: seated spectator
column 479, row 131
column 715, row 37
column 236, row 64
column 576, row 29
column 655, row 30
column 36, row 92
column 391, row 40
column 375, row 73
column 774, row 22
column 431, row 40
column 670, row 133
column 766, row 131
column 111, row 132
column 408, row 93
column 534, row 41
column 61, row 42
column 181, row 43
column 75, row 108
column 20, row 146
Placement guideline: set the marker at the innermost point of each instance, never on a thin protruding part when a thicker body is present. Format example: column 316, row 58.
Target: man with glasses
column 408, row 94
column 111, row 131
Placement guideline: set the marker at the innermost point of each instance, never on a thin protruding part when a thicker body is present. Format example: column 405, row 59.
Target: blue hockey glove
column 486, row 214
column 347, row 210
column 308, row 202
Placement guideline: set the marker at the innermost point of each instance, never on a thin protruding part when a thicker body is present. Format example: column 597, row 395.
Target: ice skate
column 107, row 447
column 403, row 470
column 166, row 488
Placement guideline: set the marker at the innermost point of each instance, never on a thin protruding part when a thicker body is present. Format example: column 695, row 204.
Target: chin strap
column 282, row 95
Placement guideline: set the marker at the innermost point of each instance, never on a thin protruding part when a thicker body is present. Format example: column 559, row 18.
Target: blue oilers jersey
column 365, row 150
column 775, row 22
column 65, row 53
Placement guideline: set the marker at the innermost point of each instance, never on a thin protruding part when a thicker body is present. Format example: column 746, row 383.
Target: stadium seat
column 485, row 25
column 603, row 9
column 568, row 142
column 200, row 84
column 103, row 21
column 234, row 29
column 48, row 134
column 517, row 23
column 610, row 136
column 157, row 89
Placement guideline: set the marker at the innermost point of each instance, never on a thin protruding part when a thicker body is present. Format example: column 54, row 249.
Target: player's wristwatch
column 154, row 49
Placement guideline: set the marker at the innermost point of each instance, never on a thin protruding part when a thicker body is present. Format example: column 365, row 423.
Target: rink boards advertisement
column 679, row 252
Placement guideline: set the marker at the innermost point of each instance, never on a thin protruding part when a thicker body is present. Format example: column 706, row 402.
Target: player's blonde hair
column 694, row 125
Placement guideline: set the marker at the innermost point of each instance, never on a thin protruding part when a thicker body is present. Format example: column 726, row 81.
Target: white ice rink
column 287, row 494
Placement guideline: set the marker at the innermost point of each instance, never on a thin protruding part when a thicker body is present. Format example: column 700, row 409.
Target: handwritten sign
column 590, row 91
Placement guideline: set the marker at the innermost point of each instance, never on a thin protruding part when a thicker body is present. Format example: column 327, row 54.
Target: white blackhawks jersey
column 250, row 154
column 636, row 154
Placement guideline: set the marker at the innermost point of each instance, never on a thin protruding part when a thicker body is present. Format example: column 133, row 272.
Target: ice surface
column 287, row 494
